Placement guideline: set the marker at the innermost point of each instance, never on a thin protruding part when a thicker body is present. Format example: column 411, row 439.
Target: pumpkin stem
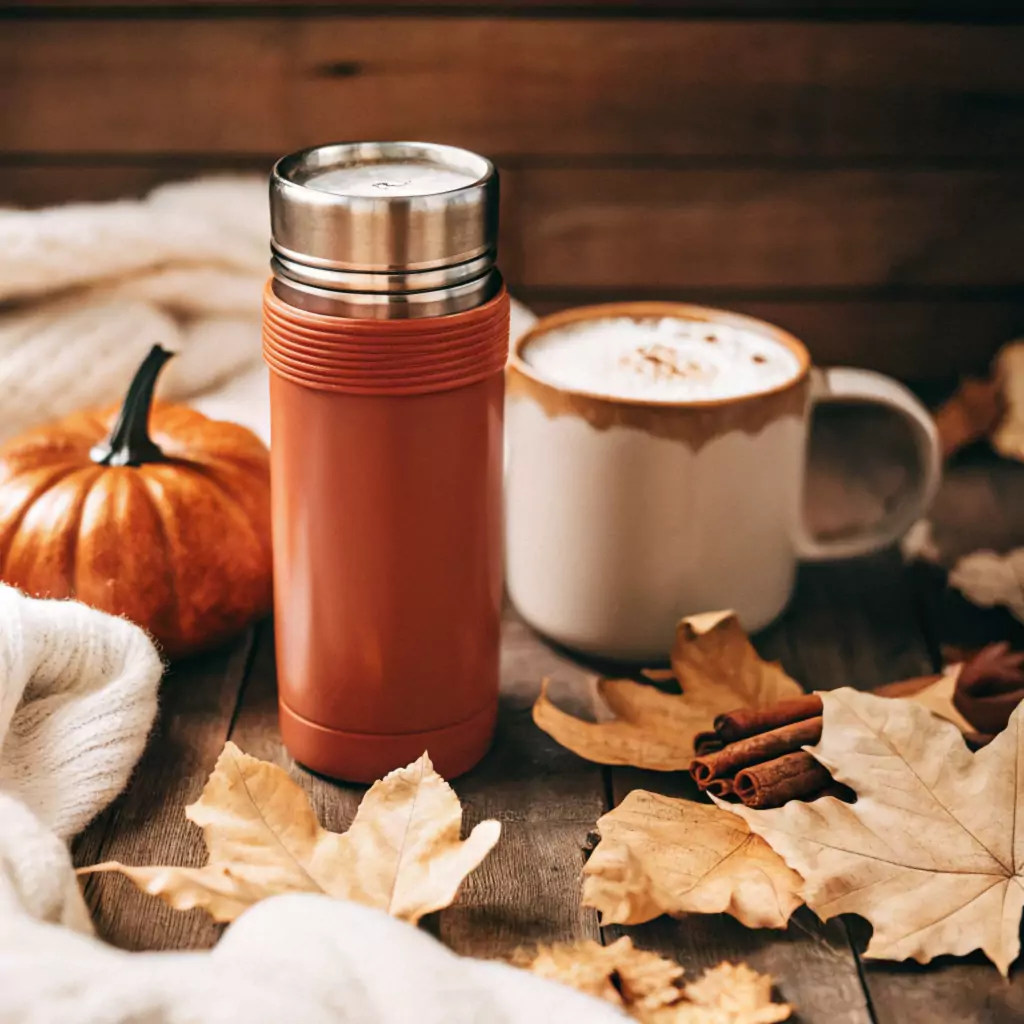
column 129, row 443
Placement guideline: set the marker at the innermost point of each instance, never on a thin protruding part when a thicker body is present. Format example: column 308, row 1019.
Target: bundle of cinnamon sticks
column 756, row 755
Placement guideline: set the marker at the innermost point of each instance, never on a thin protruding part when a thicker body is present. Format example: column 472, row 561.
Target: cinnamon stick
column 706, row 743
column 744, row 722
column 774, row 783
column 755, row 749
column 720, row 787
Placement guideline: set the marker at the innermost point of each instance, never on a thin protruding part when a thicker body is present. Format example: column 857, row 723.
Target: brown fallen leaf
column 734, row 994
column 1008, row 435
column 932, row 852
column 647, row 986
column 619, row 973
column 718, row 671
column 402, row 852
column 972, row 412
column 659, row 855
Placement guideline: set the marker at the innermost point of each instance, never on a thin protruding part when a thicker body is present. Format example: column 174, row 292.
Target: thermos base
column 366, row 757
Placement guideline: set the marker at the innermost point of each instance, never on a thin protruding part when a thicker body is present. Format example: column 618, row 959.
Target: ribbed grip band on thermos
column 386, row 357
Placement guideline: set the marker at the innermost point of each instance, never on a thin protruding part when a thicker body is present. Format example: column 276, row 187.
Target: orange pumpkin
column 155, row 513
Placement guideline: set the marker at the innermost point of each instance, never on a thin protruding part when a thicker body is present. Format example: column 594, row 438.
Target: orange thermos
column 386, row 332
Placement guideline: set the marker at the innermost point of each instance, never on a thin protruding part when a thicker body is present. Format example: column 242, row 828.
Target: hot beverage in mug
column 656, row 465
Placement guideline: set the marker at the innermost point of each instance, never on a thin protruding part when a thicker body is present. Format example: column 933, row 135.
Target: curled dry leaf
column 659, row 855
column 1008, row 435
column 932, row 852
column 717, row 669
column 402, row 852
column 647, row 986
column 992, row 407
column 971, row 413
column 620, row 974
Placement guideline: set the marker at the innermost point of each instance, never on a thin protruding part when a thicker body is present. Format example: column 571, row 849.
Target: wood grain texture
column 146, row 824
column 583, row 87
column 528, row 889
column 960, row 10
column 643, row 230
column 759, row 229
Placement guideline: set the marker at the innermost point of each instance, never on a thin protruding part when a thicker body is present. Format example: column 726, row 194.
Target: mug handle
column 848, row 385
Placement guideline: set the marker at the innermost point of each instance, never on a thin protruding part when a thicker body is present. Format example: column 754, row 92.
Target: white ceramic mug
column 622, row 516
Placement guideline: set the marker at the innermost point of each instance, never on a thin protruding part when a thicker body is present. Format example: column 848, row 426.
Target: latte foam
column 661, row 359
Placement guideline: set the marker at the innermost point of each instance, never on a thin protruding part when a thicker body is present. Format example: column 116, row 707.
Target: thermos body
column 386, row 421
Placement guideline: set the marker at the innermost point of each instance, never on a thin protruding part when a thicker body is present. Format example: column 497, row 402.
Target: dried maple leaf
column 738, row 994
column 718, row 671
column 1008, row 435
column 932, row 852
column 972, row 412
column 402, row 852
column 659, row 855
column 646, row 985
column 619, row 973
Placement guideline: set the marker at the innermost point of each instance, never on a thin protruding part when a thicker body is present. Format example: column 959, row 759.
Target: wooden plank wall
column 852, row 171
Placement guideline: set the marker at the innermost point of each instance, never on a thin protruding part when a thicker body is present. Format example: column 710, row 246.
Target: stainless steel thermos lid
column 384, row 219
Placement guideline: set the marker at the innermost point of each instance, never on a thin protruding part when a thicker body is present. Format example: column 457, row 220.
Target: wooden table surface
column 860, row 623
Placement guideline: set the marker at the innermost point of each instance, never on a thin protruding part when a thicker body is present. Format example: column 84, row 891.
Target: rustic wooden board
column 146, row 824
column 547, row 799
column 757, row 229
column 632, row 87
column 643, row 230
column 963, row 10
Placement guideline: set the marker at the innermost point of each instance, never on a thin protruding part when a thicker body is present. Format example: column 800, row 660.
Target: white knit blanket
column 87, row 289
column 78, row 694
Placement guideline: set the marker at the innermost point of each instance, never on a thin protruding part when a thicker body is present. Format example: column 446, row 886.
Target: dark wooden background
column 850, row 170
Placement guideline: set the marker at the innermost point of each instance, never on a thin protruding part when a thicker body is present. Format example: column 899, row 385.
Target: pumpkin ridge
column 139, row 477
column 61, row 473
column 75, row 527
column 231, row 496
column 66, row 535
